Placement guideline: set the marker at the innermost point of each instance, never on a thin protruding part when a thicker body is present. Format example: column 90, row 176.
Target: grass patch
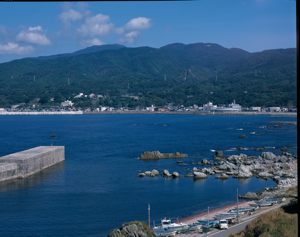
column 282, row 222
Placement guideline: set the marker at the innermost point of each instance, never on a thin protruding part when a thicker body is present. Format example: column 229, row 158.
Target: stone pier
column 28, row 162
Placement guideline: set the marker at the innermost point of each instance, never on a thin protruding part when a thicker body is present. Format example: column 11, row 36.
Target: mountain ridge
column 175, row 73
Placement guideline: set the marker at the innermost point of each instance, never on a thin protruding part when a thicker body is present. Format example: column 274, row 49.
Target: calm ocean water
column 97, row 188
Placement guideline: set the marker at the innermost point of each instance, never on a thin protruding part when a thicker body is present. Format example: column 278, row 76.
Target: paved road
column 241, row 226
column 232, row 229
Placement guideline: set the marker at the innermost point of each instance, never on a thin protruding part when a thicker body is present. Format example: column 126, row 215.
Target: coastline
column 291, row 114
column 212, row 212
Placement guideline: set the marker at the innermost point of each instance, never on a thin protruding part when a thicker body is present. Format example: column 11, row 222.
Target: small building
column 209, row 107
column 152, row 108
column 80, row 95
column 67, row 103
column 255, row 109
column 274, row 109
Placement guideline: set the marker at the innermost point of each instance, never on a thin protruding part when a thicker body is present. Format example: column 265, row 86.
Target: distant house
column 79, row 96
column 152, row 108
column 255, row 109
column 273, row 109
column 92, row 96
column 67, row 103
column 209, row 107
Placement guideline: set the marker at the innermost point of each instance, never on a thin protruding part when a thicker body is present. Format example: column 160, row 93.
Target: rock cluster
column 267, row 165
column 281, row 168
column 132, row 229
column 155, row 172
column 156, row 155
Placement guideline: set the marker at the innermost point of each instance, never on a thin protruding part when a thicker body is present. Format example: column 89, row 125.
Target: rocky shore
column 156, row 155
column 281, row 168
column 132, row 229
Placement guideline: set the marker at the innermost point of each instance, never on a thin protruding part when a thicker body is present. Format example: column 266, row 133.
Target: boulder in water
column 199, row 175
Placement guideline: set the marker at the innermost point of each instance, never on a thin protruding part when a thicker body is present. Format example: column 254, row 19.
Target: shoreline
column 291, row 114
column 204, row 215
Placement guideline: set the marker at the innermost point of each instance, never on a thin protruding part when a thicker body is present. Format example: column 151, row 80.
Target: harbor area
column 22, row 164
column 220, row 221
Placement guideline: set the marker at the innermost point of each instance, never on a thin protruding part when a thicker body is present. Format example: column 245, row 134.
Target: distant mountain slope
column 176, row 73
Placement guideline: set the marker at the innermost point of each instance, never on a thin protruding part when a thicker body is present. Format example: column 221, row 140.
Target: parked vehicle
column 223, row 225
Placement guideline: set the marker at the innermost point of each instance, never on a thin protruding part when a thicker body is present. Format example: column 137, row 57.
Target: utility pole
column 149, row 209
column 237, row 203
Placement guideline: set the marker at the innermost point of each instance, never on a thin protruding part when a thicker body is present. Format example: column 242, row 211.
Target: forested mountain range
column 177, row 73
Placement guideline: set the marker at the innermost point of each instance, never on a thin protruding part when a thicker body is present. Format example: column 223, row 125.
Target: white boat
column 168, row 226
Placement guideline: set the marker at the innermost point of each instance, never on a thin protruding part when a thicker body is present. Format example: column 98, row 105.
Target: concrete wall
column 31, row 161
column 8, row 171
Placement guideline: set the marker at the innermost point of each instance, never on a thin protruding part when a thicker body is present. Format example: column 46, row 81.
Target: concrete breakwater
column 25, row 163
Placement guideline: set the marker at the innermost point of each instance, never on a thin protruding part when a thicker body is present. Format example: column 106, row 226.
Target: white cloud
column 138, row 23
column 91, row 42
column 96, row 25
column 130, row 37
column 33, row 35
column 14, row 48
column 70, row 15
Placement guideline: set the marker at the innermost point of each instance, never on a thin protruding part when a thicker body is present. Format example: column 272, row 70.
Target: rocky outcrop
column 268, row 155
column 219, row 154
column 222, row 176
column 250, row 195
column 156, row 155
column 265, row 175
column 244, row 171
column 166, row 173
column 175, row 174
column 199, row 175
column 132, row 229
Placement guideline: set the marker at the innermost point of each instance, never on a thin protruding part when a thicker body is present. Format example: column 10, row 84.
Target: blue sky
column 34, row 29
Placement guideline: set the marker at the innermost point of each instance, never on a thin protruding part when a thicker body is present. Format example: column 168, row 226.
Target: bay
column 97, row 188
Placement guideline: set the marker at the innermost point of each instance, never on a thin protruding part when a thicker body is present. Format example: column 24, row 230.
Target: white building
column 274, row 109
column 66, row 103
column 79, row 95
column 209, row 106
column 151, row 109
column 255, row 108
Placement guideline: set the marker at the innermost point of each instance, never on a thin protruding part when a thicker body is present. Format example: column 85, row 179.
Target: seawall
column 28, row 162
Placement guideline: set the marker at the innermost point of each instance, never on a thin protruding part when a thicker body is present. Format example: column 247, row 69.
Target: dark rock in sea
column 189, row 175
column 141, row 174
column 132, row 229
column 219, row 154
column 154, row 172
column 205, row 162
column 156, row 155
column 260, row 148
column 166, row 173
column 242, row 136
column 222, row 176
column 175, row 174
column 199, row 175
column 268, row 155
column 284, row 149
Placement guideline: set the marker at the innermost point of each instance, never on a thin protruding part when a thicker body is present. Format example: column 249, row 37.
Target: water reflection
column 32, row 180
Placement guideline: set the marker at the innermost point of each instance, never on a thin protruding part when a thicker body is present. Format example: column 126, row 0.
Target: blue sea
column 97, row 188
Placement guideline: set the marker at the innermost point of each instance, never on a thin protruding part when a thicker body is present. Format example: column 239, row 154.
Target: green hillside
column 176, row 73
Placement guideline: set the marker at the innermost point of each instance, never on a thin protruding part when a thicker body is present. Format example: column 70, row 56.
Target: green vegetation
column 176, row 73
column 282, row 222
